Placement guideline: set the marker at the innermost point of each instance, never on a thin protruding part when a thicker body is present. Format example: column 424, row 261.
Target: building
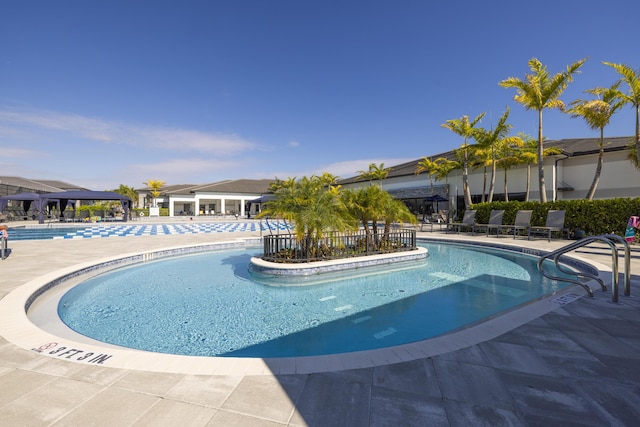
column 568, row 176
column 230, row 197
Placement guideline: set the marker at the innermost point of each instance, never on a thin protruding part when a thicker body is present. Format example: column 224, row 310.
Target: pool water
column 208, row 304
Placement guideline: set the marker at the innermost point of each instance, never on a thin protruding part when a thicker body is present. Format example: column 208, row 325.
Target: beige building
column 567, row 176
column 230, row 197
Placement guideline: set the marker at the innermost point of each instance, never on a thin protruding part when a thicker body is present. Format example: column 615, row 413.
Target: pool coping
column 17, row 328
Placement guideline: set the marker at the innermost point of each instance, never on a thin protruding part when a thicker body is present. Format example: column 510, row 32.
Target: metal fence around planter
column 288, row 249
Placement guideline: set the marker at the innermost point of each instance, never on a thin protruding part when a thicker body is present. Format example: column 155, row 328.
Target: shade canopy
column 26, row 198
column 41, row 200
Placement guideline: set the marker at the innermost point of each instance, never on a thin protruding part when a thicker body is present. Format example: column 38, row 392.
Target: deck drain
column 565, row 299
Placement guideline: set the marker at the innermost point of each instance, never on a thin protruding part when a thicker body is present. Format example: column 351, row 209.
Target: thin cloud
column 118, row 132
column 18, row 153
column 351, row 168
column 346, row 169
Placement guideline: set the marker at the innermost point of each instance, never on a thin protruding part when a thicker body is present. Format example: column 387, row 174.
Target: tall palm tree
column 465, row 129
column 491, row 140
column 632, row 79
column 597, row 114
column 154, row 188
column 538, row 91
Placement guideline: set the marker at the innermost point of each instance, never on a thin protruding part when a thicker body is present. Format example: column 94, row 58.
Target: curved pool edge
column 17, row 328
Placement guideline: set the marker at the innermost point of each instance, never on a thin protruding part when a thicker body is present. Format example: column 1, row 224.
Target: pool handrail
column 606, row 238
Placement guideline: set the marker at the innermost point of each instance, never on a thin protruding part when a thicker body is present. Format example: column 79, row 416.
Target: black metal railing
column 288, row 249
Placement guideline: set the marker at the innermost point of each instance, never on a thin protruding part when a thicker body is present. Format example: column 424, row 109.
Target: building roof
column 248, row 186
column 570, row 147
column 59, row 184
column 28, row 185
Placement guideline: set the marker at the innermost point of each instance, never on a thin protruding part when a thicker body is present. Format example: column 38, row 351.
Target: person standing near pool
column 4, row 237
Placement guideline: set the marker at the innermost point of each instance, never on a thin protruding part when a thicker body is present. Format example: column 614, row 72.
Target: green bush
column 145, row 211
column 595, row 217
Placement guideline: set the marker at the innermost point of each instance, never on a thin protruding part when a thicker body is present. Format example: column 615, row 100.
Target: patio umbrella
column 436, row 198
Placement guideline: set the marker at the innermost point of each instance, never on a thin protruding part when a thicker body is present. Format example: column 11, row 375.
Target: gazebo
column 41, row 200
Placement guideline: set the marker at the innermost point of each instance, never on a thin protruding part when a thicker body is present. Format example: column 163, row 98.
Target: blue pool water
column 208, row 304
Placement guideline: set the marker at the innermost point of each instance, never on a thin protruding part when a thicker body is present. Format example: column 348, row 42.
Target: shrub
column 607, row 216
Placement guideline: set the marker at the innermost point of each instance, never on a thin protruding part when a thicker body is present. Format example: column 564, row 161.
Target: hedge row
column 595, row 217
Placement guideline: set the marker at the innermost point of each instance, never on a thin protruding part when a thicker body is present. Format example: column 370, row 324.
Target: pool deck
column 561, row 361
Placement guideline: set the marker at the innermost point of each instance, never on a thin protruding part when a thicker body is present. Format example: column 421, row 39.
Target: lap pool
column 210, row 305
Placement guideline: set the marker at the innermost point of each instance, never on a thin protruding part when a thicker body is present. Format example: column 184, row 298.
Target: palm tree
column 633, row 155
column 480, row 157
column 426, row 165
column 375, row 172
column 465, row 129
column 154, row 185
column 490, row 141
column 443, row 169
column 528, row 155
column 507, row 152
column 395, row 210
column 538, row 91
column 597, row 113
column 311, row 205
column 130, row 192
column 632, row 79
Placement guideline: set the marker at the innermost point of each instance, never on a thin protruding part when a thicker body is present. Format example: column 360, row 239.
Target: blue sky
column 103, row 93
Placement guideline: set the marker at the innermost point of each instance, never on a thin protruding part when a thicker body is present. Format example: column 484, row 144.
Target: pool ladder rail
column 605, row 238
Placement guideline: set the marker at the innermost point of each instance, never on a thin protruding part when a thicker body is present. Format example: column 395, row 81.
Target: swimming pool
column 208, row 304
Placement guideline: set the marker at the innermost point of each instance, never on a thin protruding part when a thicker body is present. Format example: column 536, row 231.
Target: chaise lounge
column 521, row 223
column 554, row 223
column 468, row 221
column 495, row 221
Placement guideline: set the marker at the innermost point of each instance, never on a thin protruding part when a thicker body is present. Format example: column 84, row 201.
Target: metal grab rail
column 608, row 239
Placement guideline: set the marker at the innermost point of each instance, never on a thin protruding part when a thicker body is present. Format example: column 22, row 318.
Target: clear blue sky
column 102, row 93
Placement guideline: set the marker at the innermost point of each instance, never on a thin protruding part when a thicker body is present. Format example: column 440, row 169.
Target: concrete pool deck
column 570, row 362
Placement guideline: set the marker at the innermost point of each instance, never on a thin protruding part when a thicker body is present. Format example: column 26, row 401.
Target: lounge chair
column 522, row 222
column 495, row 221
column 468, row 221
column 555, row 223
column 426, row 222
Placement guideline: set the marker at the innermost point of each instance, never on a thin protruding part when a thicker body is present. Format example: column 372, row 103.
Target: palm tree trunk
column 528, row 186
column 506, row 190
column 484, row 184
column 465, row 178
column 596, row 177
column 541, row 186
column 492, row 184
